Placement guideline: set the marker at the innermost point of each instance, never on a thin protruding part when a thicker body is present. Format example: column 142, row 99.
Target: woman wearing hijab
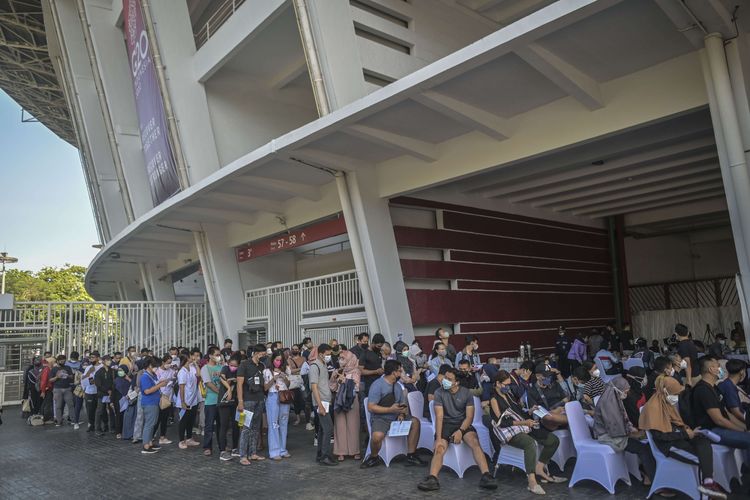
column 613, row 427
column 508, row 412
column 661, row 418
column 346, row 423
column 122, row 386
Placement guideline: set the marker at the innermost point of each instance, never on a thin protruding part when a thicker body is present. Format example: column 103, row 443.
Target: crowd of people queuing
column 241, row 401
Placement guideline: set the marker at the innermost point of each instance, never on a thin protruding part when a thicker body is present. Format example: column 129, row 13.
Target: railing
column 217, row 19
column 283, row 306
column 716, row 292
column 11, row 388
column 106, row 326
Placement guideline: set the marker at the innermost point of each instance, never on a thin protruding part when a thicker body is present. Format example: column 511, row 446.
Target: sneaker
column 413, row 459
column 315, row 442
column 225, row 456
column 487, row 482
column 309, row 427
column 182, row 445
column 370, row 461
column 155, row 447
column 192, row 442
column 235, row 452
column 429, row 484
column 164, row 441
column 58, row 425
column 76, row 427
column 149, row 451
column 712, row 490
column 327, row 461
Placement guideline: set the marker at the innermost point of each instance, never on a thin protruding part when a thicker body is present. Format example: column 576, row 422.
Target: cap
column 637, row 371
column 541, row 369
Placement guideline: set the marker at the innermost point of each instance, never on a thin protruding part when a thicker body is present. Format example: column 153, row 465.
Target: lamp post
column 4, row 257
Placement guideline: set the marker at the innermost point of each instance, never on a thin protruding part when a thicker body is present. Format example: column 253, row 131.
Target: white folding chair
column 391, row 447
column 426, row 429
column 632, row 462
column 673, row 474
column 725, row 466
column 631, row 362
column 602, row 373
column 596, row 462
column 458, row 457
column 483, row 433
column 566, row 450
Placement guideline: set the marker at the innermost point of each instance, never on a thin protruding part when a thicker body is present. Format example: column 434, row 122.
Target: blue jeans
column 150, row 417
column 278, row 424
column 128, row 422
column 733, row 439
column 77, row 405
column 211, row 414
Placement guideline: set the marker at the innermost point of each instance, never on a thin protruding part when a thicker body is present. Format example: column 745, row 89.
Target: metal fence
column 11, row 388
column 716, row 292
column 223, row 11
column 62, row 327
column 282, row 307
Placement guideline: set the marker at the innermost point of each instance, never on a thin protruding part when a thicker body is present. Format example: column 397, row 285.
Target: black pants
column 164, row 420
column 700, row 447
column 47, row 405
column 643, row 450
column 91, row 402
column 36, row 401
column 118, row 418
column 226, row 422
column 101, row 417
column 185, row 428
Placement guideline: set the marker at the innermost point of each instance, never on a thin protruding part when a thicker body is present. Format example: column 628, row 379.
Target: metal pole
column 616, row 292
column 2, row 290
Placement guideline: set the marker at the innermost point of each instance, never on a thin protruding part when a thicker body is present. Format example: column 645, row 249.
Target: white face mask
column 269, row 352
column 671, row 372
column 596, row 372
column 683, row 364
column 673, row 399
column 327, row 358
column 217, row 359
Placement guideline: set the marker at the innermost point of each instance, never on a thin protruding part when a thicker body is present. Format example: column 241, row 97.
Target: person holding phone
column 387, row 402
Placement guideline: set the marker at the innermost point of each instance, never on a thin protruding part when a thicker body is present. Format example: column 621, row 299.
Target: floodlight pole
column 4, row 257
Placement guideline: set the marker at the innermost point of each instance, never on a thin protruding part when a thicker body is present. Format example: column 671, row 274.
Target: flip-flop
column 245, row 463
column 257, row 458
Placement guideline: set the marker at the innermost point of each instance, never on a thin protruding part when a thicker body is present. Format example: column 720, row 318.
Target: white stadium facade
column 325, row 167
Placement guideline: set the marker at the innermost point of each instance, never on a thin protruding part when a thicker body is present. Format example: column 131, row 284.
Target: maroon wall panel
column 531, row 287
column 433, row 269
column 505, row 227
column 437, row 238
column 456, row 306
column 519, row 260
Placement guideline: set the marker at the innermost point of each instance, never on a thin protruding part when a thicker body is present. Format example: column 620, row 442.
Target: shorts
column 380, row 425
column 449, row 429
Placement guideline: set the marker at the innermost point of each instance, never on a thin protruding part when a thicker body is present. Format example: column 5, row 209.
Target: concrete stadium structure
column 497, row 166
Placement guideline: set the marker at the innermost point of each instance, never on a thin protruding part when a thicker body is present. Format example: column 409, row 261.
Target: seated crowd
column 686, row 399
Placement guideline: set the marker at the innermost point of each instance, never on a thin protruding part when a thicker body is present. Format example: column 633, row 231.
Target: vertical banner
column 157, row 150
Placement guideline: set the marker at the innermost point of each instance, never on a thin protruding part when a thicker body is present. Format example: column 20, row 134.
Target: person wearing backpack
column 31, row 386
column 61, row 378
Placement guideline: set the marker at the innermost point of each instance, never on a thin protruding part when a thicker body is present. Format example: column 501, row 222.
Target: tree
column 50, row 284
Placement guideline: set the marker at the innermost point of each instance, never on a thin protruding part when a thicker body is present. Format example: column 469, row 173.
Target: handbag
column 286, row 397
column 295, row 381
column 79, row 392
column 26, row 405
column 132, row 395
column 505, row 434
column 165, row 402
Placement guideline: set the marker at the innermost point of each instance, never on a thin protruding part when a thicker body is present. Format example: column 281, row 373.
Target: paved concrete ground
column 44, row 461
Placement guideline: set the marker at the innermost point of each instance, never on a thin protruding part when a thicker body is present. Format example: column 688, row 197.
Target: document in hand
column 325, row 405
column 244, row 418
column 541, row 412
column 399, row 428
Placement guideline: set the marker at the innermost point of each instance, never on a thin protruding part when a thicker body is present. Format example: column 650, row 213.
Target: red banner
column 293, row 239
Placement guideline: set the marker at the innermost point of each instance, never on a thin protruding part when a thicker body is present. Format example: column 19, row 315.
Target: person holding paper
column 322, row 399
column 167, row 373
column 276, row 379
column 104, row 380
column 150, row 395
column 187, row 398
column 250, row 398
column 388, row 403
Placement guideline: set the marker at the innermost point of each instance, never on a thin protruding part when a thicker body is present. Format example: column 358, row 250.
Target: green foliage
column 50, row 284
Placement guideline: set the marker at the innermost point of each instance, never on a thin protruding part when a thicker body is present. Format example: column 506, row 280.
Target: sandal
column 206, row 453
column 244, row 461
column 537, row 490
column 257, row 458
column 357, row 457
column 341, row 458
column 557, row 479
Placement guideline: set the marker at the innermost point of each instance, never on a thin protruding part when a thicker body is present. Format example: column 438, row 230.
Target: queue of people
column 242, row 401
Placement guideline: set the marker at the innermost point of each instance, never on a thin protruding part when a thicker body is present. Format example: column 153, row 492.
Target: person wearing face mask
column 322, row 401
column 186, row 399
column 210, row 375
column 295, row 361
column 593, row 385
column 61, row 377
column 613, row 427
column 562, row 349
column 104, row 380
column 439, row 358
column 227, row 409
column 360, row 347
column 661, row 418
column 507, row 411
column 679, row 366
column 74, row 364
column 227, row 351
column 736, row 399
column 371, row 362
column 150, row 387
column 411, row 373
column 386, row 404
column 441, row 336
column 636, row 377
column 167, row 373
column 454, row 413
column 30, row 378
column 719, row 349
column 521, row 379
column 276, row 379
column 470, row 353
column 689, row 353
column 709, row 412
column 549, row 393
column 121, row 388
column 89, row 388
column 578, row 352
column 250, row 398
column 345, row 383
column 129, row 359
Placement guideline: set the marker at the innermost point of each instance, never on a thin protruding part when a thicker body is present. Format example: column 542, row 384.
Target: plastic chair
column 391, row 448
column 483, row 433
column 566, row 450
column 673, row 474
column 725, row 466
column 457, row 457
column 596, row 462
column 632, row 462
column 631, row 362
column 426, row 429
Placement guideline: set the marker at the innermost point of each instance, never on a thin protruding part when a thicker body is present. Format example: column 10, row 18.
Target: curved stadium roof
column 26, row 71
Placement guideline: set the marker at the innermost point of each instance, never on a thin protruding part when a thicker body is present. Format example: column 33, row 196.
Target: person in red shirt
column 45, row 389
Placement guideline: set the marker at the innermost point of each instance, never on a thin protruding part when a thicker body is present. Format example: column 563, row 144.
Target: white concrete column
column 222, row 278
column 724, row 106
column 160, row 283
column 380, row 253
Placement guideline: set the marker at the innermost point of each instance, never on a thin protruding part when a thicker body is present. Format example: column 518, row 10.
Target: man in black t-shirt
column 432, row 386
column 709, row 411
column 358, row 349
column 61, row 377
column 687, row 350
column 250, row 398
column 371, row 363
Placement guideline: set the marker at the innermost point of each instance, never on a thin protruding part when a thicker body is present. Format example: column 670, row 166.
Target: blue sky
column 45, row 213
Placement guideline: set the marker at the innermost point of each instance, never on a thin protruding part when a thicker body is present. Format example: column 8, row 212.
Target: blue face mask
column 547, row 381
column 447, row 384
column 505, row 389
column 722, row 372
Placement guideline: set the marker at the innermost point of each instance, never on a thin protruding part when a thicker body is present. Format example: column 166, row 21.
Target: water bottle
column 528, row 350
column 522, row 351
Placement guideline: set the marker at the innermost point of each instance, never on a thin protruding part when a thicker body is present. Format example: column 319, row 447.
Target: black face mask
column 37, row 363
column 376, row 348
column 366, row 345
column 61, row 363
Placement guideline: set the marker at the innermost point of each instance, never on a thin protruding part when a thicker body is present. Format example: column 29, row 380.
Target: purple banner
column 157, row 150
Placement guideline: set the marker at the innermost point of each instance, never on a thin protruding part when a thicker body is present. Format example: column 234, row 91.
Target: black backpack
column 685, row 407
